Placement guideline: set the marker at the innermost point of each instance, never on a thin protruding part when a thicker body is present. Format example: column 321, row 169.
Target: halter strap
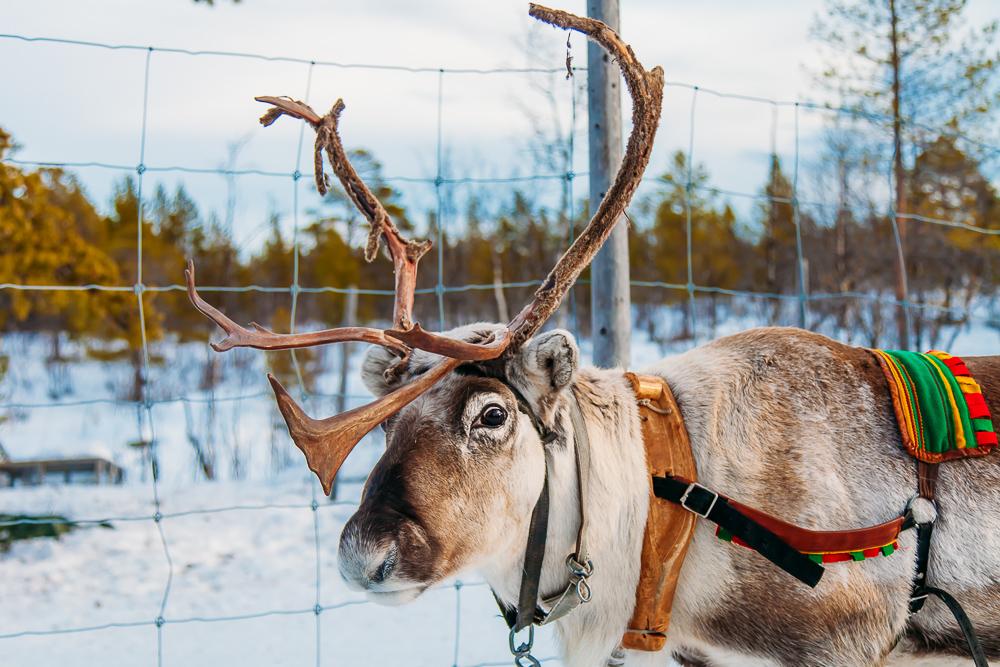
column 530, row 610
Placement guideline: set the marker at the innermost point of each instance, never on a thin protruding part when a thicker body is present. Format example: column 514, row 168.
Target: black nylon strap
column 975, row 648
column 917, row 596
column 534, row 553
column 717, row 509
column 927, row 474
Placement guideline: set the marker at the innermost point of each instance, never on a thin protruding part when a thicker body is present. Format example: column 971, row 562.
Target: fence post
column 610, row 302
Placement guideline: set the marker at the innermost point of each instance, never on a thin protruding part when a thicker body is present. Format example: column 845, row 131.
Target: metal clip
column 522, row 652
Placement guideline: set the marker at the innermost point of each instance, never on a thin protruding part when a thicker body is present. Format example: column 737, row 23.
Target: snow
column 257, row 556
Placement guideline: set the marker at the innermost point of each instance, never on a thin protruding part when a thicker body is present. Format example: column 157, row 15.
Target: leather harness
column 669, row 527
column 676, row 502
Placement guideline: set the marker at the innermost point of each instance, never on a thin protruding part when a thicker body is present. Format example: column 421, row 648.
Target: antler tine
column 405, row 253
column 264, row 339
column 419, row 338
column 327, row 442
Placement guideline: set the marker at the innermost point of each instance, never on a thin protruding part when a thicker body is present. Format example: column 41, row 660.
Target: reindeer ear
column 373, row 370
column 552, row 359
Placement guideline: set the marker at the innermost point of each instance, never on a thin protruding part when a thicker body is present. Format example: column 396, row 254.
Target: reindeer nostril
column 386, row 568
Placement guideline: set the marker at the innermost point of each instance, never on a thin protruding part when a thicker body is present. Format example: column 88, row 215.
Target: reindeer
column 483, row 420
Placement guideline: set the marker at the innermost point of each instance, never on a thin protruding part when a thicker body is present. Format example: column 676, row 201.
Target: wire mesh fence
column 438, row 78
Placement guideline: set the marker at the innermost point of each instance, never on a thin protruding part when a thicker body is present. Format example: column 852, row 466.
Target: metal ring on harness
column 583, row 590
column 583, row 570
column 580, row 572
column 522, row 653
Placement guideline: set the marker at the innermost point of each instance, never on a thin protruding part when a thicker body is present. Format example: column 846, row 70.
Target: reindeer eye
column 493, row 416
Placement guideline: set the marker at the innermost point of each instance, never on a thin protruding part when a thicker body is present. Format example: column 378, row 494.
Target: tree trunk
column 840, row 265
column 902, row 326
column 498, row 294
column 610, row 299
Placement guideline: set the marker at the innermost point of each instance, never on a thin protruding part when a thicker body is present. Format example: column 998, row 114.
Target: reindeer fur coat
column 799, row 426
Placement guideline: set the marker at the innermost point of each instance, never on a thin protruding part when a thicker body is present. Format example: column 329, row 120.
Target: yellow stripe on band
column 956, row 414
column 968, row 385
column 909, row 420
column 826, row 553
column 914, row 407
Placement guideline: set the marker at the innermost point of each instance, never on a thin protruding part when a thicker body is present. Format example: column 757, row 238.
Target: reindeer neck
column 616, row 509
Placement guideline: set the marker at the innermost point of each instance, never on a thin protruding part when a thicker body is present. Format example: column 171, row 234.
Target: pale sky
column 81, row 104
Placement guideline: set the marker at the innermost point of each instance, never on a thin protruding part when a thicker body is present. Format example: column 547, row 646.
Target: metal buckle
column 687, row 493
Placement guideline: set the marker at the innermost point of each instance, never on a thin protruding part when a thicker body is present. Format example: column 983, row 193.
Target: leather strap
column 530, row 610
column 577, row 590
column 669, row 527
column 718, row 509
column 581, row 443
column 975, row 648
column 917, row 596
column 927, row 474
column 825, row 541
column 534, row 554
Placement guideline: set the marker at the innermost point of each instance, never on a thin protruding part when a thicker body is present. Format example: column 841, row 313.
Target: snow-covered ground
column 243, row 546
column 258, row 557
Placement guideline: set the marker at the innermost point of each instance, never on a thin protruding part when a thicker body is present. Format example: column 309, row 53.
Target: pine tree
column 957, row 265
column 777, row 245
column 49, row 235
column 905, row 61
column 718, row 252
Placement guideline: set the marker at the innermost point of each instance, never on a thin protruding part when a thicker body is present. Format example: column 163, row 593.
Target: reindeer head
column 462, row 468
column 466, row 412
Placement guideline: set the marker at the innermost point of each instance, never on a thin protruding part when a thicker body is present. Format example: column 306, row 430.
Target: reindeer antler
column 646, row 89
column 405, row 253
column 263, row 338
column 326, row 443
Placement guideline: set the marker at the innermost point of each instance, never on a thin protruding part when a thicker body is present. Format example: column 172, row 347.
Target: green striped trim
column 933, row 396
column 982, row 425
column 965, row 424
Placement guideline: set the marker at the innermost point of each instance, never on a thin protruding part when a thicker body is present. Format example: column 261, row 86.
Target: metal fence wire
column 144, row 405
